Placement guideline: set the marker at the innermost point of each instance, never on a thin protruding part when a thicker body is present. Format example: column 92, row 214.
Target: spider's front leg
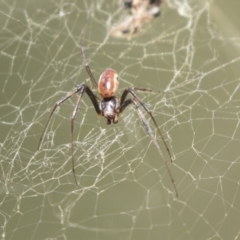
column 82, row 88
column 151, row 135
column 137, row 99
column 57, row 104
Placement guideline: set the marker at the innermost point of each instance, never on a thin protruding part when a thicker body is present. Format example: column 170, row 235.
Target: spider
column 110, row 107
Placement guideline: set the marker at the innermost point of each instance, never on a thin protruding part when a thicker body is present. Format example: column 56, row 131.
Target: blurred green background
column 191, row 52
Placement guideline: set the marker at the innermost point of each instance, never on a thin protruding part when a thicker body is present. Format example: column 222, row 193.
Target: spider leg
column 150, row 133
column 82, row 89
column 131, row 91
column 53, row 110
column 146, row 90
column 125, row 104
column 72, row 127
column 88, row 69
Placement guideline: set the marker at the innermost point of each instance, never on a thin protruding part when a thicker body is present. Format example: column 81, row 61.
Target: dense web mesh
column 190, row 54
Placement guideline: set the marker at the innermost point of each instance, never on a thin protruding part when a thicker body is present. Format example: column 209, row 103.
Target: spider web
column 189, row 53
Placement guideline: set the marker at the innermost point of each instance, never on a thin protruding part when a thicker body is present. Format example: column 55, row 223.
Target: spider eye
column 108, row 83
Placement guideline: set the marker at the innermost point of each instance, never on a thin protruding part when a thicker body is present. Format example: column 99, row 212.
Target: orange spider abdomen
column 108, row 83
